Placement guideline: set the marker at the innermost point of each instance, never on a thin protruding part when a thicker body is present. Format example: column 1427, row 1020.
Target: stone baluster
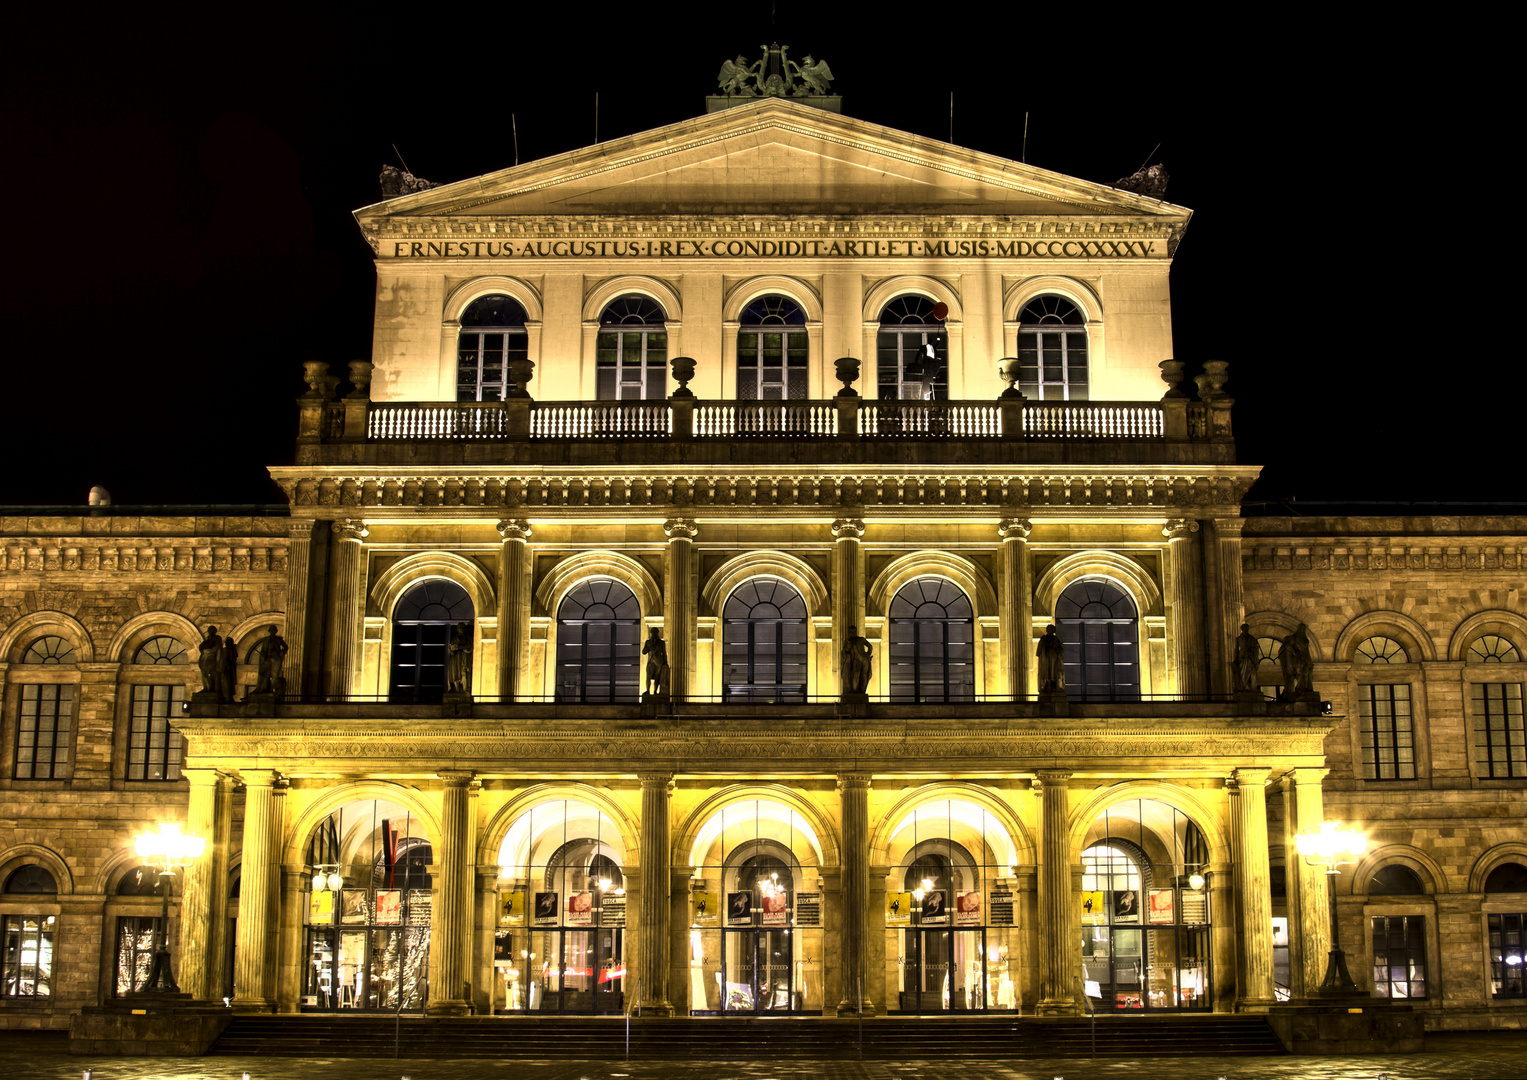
column 345, row 615
column 1253, row 884
column 1187, row 607
column 854, row 794
column 653, row 931
column 451, row 926
column 678, row 604
column 513, row 606
column 1058, row 942
column 1016, row 613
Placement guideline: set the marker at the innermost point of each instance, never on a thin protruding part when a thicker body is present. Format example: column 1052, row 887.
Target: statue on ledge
column 655, row 649
column 210, row 662
column 1298, row 665
column 1051, row 655
column 855, row 662
column 458, row 673
column 272, row 659
column 1248, row 655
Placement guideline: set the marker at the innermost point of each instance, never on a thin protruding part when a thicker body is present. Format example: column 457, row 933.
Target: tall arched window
column 1098, row 625
column 158, row 675
column 763, row 637
column 44, row 724
column 631, row 352
column 911, row 347
column 771, row 350
column 421, row 638
column 598, row 643
column 1052, row 350
column 932, row 642
column 27, row 970
column 492, row 334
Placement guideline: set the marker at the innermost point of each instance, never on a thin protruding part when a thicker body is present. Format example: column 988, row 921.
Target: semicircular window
column 1098, row 625
column 162, row 650
column 49, row 650
column 932, row 642
column 598, row 652
column 771, row 350
column 1395, row 881
column 911, row 351
column 1493, row 649
column 1379, row 650
column 763, row 641
column 1052, row 350
column 31, row 880
column 421, row 637
column 631, row 351
column 492, row 334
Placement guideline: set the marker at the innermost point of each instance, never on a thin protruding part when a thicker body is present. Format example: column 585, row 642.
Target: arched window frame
column 575, row 678
column 1119, row 640
column 157, row 678
column 43, row 692
column 27, row 936
column 631, row 350
column 420, row 647
column 1053, row 355
column 1495, row 675
column 492, row 334
column 907, row 328
column 1386, row 729
column 773, row 350
column 938, row 666
column 765, row 658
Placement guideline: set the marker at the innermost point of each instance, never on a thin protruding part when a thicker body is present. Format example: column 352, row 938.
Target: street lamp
column 1331, row 847
column 168, row 848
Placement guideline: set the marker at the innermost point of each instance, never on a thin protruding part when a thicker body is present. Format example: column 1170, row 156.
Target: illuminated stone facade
column 607, row 401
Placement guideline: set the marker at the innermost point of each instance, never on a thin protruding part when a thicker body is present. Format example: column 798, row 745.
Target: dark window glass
column 1384, row 716
column 1399, row 957
column 155, row 750
column 1395, row 881
column 631, row 350
column 932, row 643
column 1052, row 350
column 771, row 351
column 421, row 638
column 1500, row 744
column 1507, row 877
column 1099, row 628
column 492, row 334
column 30, row 880
column 44, row 733
column 911, row 347
column 598, row 643
column 763, row 642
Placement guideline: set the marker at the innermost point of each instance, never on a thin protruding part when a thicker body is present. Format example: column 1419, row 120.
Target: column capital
column 1014, row 528
column 662, row 780
column 680, row 528
column 1229, row 528
column 1058, row 777
column 260, row 778
column 201, row 778
column 1245, row 776
column 299, row 530
column 848, row 528
column 854, row 780
column 514, row 529
column 1304, row 776
column 1179, row 528
column 457, row 778
column 351, row 529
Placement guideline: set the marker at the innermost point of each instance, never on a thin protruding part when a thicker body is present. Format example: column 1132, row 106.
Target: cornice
column 787, row 225
column 1380, row 555
column 154, row 555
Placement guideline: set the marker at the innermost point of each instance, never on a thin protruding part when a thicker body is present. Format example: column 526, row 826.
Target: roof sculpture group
column 774, row 75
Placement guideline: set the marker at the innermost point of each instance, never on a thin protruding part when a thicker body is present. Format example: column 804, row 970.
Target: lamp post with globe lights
column 168, row 848
column 1331, row 847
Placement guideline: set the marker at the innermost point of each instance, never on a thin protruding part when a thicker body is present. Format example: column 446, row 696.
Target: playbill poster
column 1163, row 908
column 775, row 909
column 353, row 906
column 321, row 907
column 511, row 908
column 580, row 909
column 546, row 909
column 967, row 909
column 389, row 907
column 1126, row 906
column 706, row 910
column 898, row 908
column 739, row 909
column 1093, row 911
column 935, row 907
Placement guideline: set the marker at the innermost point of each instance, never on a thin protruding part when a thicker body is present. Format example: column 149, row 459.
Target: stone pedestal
column 1347, row 1024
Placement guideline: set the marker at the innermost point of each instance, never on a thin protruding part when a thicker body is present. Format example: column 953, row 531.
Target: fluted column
column 1016, row 611
column 1253, row 882
column 678, row 604
column 1057, row 942
column 346, row 614
column 854, row 795
column 847, row 591
column 1310, row 925
column 299, row 553
column 1224, row 606
column 256, row 895
column 1191, row 660
column 200, row 888
column 450, row 929
column 513, row 606
column 652, row 947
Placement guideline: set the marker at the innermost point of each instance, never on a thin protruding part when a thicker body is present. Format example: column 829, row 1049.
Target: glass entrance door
column 943, row 970
column 562, row 971
column 758, row 971
column 376, row 958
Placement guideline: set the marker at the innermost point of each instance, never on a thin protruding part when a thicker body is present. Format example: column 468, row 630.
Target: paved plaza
column 26, row 1056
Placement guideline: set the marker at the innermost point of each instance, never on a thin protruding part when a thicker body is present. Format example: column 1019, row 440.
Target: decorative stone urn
column 1217, row 374
column 848, row 370
column 316, row 372
column 1171, row 374
column 521, row 371
column 360, row 378
column 1007, row 371
column 683, row 371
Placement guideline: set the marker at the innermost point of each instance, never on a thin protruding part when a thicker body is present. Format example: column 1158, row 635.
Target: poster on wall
column 511, row 908
column 389, row 907
column 1126, row 906
column 739, row 909
column 546, row 909
column 706, row 913
column 419, row 902
column 612, row 911
column 1162, row 908
column 1093, row 911
column 1001, row 913
column 898, row 908
column 808, row 909
column 776, row 909
column 580, row 909
column 353, row 906
column 935, row 907
column 321, row 907
column 967, row 909
column 1195, row 906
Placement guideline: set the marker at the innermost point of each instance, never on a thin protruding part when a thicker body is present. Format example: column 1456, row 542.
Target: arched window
column 1388, row 749
column 771, row 350
column 1379, row 650
column 631, row 352
column 1052, row 350
column 911, row 347
column 49, row 650
column 421, row 638
column 1395, row 881
column 31, row 880
column 1500, row 735
column 162, row 650
column 598, row 643
column 1492, row 649
column 27, row 970
column 932, row 642
column 492, row 334
column 1098, row 625
column 763, row 642
column 1507, row 877
column 155, row 749
column 45, row 721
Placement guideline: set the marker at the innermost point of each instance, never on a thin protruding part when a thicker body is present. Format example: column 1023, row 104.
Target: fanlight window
column 492, row 334
column 598, row 643
column 162, row 650
column 932, row 642
column 764, row 642
column 1395, row 881
column 49, row 650
column 1493, row 649
column 31, row 880
column 1270, row 671
column 1052, row 350
column 631, row 351
column 1098, row 625
column 1379, row 650
column 1507, row 877
column 421, row 638
column 771, row 350
column 911, row 348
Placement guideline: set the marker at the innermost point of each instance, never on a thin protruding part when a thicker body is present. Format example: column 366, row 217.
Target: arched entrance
column 366, row 911
column 755, row 938
column 560, row 942
column 1145, row 913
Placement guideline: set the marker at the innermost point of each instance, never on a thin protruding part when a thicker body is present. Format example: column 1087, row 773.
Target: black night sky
column 180, row 240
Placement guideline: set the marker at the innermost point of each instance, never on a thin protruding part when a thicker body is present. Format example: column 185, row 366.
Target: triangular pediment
column 773, row 157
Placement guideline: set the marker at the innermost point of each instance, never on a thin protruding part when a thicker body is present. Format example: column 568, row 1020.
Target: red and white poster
column 967, row 909
column 774, row 910
column 1162, row 907
column 580, row 909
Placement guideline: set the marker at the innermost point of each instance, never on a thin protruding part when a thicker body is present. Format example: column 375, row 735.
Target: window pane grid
column 1506, row 955
column 43, row 732
column 28, row 964
column 1500, row 741
column 155, row 750
column 1387, row 748
column 1399, row 957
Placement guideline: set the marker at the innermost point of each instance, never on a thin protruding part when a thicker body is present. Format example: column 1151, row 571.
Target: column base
column 1255, row 1005
column 252, row 1005
column 848, row 1009
column 1056, row 1008
column 659, row 1009
column 448, row 1008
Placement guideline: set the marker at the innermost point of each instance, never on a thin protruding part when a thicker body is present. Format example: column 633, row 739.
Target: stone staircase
column 735, row 1039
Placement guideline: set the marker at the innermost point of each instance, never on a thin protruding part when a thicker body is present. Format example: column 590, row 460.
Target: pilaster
column 679, row 606
column 1190, row 657
column 298, row 559
column 345, row 615
column 1016, row 610
column 847, row 592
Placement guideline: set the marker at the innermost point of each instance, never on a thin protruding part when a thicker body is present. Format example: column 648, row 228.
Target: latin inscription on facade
column 927, row 248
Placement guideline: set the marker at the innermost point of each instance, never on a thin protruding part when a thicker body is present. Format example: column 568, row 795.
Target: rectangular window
column 44, row 732
column 155, row 749
column 1399, row 957
column 1499, row 745
column 28, row 970
column 1506, row 956
column 1384, row 713
column 135, row 951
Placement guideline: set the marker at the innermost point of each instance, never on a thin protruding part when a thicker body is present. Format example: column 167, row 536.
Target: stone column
column 1253, row 884
column 345, row 614
column 256, row 893
column 1016, row 613
column 679, row 607
column 1057, row 940
column 1191, row 659
column 854, row 794
column 1309, row 913
column 1224, row 606
column 847, row 594
column 652, row 949
column 513, row 606
column 299, row 553
column 221, row 856
column 200, row 888
column 451, row 931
